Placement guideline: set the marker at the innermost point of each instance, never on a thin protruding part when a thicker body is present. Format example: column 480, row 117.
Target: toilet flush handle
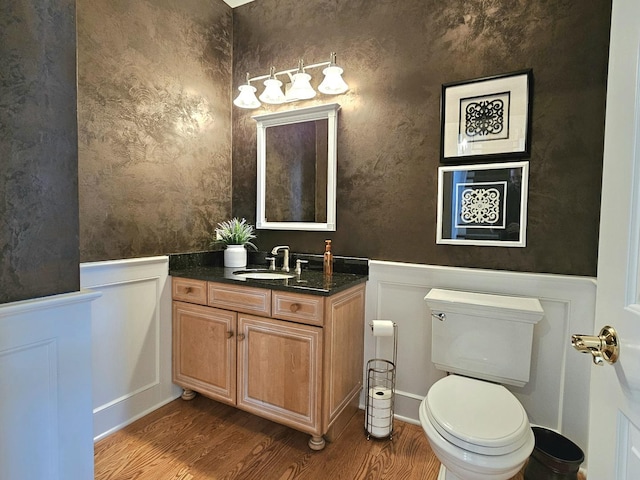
column 440, row 316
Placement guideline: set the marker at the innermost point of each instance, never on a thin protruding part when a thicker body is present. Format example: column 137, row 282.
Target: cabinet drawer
column 298, row 307
column 188, row 290
column 241, row 299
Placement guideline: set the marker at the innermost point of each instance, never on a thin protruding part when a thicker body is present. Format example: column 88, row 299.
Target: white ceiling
column 236, row 3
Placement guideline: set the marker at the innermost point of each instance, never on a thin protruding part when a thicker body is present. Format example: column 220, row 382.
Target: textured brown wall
column 154, row 125
column 38, row 150
column 396, row 56
column 155, row 131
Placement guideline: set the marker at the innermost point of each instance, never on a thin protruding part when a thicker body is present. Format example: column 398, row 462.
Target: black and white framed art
column 487, row 119
column 483, row 205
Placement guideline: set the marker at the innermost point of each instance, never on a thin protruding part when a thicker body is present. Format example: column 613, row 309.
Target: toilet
column 476, row 427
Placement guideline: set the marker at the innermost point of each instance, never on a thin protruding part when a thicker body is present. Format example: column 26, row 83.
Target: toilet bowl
column 477, row 429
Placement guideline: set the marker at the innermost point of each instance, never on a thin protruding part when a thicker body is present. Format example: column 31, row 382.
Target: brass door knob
column 604, row 347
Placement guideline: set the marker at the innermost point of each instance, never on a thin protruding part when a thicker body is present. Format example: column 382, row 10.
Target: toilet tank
column 483, row 336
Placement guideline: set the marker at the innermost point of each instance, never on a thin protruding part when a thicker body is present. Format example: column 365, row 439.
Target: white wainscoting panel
column 45, row 388
column 557, row 395
column 131, row 340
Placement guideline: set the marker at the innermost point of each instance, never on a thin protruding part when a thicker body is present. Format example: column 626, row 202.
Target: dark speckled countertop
column 348, row 272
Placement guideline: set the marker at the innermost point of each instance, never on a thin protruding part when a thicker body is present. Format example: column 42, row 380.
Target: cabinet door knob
column 294, row 307
column 241, row 336
column 229, row 334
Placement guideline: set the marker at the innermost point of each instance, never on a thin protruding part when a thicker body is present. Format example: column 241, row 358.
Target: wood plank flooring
column 206, row 440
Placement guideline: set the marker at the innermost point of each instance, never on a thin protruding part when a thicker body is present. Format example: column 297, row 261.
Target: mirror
column 297, row 163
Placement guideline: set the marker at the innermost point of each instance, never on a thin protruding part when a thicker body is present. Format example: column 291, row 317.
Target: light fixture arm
column 289, row 72
column 333, row 84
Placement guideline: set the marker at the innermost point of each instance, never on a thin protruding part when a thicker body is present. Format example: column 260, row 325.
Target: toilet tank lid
column 525, row 309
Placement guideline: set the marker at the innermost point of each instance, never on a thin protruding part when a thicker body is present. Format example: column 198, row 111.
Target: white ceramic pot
column 235, row 256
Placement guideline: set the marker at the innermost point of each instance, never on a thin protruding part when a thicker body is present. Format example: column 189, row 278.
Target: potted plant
column 235, row 235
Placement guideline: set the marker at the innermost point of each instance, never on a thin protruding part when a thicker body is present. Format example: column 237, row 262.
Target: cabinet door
column 280, row 371
column 204, row 350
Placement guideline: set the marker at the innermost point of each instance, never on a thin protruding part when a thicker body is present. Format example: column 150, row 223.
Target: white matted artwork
column 486, row 118
column 483, row 205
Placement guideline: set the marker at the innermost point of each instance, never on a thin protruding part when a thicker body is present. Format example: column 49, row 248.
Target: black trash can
column 554, row 457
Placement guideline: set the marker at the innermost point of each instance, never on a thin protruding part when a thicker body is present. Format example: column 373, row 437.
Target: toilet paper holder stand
column 380, row 394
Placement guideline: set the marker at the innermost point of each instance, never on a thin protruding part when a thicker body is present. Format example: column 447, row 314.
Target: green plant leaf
column 234, row 232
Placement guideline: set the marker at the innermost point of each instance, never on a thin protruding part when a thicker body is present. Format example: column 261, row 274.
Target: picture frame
column 487, row 119
column 483, row 205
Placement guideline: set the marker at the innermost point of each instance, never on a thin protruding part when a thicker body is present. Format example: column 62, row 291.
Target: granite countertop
column 348, row 272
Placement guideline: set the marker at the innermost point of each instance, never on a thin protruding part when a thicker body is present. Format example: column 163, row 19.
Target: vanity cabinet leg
column 188, row 394
column 316, row 442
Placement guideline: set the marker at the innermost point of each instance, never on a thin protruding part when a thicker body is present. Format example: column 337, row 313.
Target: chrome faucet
column 299, row 263
column 285, row 262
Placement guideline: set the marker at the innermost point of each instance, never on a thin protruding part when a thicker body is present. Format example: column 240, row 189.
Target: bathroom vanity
column 287, row 350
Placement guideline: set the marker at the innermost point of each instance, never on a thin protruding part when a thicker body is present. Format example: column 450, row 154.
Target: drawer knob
column 294, row 307
column 187, row 290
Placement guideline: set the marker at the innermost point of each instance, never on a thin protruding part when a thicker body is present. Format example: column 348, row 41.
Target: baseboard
column 129, row 421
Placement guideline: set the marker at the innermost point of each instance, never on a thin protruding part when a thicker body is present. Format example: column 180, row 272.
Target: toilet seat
column 477, row 416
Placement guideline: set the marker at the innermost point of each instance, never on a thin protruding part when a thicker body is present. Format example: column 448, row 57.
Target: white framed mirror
column 297, row 167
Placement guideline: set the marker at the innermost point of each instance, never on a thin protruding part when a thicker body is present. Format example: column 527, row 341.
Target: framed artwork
column 483, row 205
column 487, row 119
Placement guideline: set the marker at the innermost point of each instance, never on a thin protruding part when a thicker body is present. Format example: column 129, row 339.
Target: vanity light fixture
column 333, row 83
column 247, row 97
column 272, row 91
column 299, row 87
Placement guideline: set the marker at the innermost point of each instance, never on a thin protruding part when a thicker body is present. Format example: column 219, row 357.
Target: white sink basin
column 263, row 274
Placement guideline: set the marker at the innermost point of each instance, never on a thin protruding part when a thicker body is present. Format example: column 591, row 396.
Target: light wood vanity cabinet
column 293, row 358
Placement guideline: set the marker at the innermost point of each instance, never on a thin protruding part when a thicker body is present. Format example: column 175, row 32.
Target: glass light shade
column 247, row 97
column 272, row 92
column 300, row 89
column 333, row 84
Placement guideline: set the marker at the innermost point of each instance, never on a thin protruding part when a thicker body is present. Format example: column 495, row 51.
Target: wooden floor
column 203, row 439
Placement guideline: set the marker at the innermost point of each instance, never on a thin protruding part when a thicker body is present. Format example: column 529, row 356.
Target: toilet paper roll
column 380, row 397
column 379, row 418
column 380, row 432
column 382, row 328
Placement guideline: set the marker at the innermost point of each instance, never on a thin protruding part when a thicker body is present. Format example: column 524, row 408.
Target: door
column 614, row 429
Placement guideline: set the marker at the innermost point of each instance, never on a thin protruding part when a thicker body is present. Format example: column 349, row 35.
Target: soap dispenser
column 327, row 265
